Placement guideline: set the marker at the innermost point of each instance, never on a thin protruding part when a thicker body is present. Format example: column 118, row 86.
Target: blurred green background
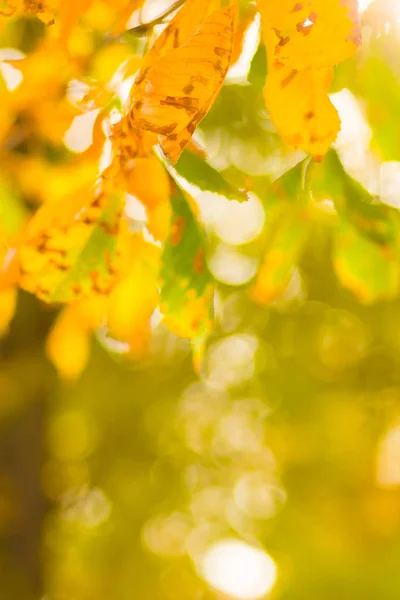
column 275, row 471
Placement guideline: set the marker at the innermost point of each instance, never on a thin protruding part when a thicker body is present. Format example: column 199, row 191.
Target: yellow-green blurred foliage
column 274, row 469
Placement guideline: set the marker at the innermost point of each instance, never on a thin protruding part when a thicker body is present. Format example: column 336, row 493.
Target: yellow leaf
column 304, row 40
column 109, row 59
column 129, row 144
column 69, row 15
column 40, row 100
column 68, row 344
column 176, row 90
column 73, row 248
column 158, row 220
column 316, row 33
column 111, row 15
column 8, row 302
column 44, row 71
column 43, row 9
column 183, row 26
column 300, row 108
column 135, row 298
column 149, row 182
column 62, row 180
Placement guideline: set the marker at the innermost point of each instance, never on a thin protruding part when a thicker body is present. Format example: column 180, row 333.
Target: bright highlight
column 237, row 569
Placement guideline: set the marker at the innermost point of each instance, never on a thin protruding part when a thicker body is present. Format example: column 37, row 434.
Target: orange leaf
column 242, row 31
column 173, row 93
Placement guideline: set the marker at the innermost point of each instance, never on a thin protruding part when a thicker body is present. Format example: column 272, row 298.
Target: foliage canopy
column 81, row 247
column 207, row 183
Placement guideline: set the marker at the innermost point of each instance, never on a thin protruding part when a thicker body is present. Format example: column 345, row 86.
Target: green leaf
column 371, row 272
column 353, row 202
column 198, row 172
column 187, row 285
column 377, row 82
column 259, row 68
column 293, row 185
column 281, row 255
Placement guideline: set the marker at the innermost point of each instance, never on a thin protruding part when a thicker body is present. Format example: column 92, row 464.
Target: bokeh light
column 237, row 569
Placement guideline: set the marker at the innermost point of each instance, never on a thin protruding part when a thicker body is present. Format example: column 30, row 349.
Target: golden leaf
column 43, row 9
column 183, row 26
column 132, row 302
column 149, row 182
column 242, row 32
column 316, row 33
column 72, row 249
column 300, row 107
column 69, row 15
column 111, row 15
column 304, row 40
column 8, row 302
column 68, row 344
column 173, row 93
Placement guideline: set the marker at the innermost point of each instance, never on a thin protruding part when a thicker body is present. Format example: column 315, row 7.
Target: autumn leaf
column 43, row 9
column 71, row 248
column 312, row 34
column 134, row 299
column 149, row 182
column 300, row 108
column 68, row 344
column 182, row 27
column 245, row 22
column 13, row 217
column 8, row 305
column 39, row 103
column 170, row 97
column 304, row 41
column 68, row 16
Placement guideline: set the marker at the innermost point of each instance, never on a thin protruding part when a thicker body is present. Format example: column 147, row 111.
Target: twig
column 142, row 28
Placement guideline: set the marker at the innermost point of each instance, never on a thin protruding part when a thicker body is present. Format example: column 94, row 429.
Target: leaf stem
column 143, row 28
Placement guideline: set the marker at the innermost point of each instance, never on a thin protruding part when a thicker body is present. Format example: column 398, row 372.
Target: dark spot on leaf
column 141, row 76
column 190, row 105
column 288, row 79
column 221, row 51
column 188, row 89
column 198, row 262
column 283, row 41
column 177, row 229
